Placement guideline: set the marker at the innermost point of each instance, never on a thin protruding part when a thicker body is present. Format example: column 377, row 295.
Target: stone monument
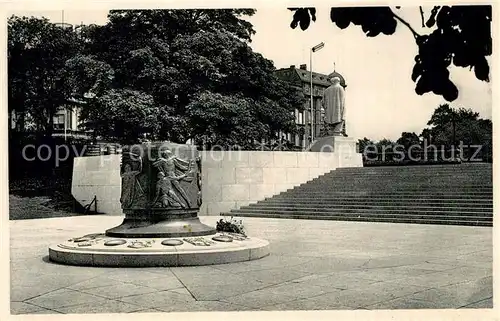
column 333, row 137
column 334, row 105
column 161, row 192
column 160, row 197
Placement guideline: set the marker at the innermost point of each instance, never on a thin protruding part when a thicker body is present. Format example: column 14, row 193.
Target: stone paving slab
column 314, row 265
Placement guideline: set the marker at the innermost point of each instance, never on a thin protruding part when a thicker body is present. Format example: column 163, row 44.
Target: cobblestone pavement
column 314, row 265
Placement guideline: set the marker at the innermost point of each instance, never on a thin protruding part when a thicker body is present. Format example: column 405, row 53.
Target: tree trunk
column 49, row 129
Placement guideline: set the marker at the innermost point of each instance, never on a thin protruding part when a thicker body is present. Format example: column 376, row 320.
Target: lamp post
column 313, row 49
column 65, row 121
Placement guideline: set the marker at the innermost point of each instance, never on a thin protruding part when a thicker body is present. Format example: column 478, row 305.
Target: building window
column 300, row 118
column 59, row 121
column 13, row 119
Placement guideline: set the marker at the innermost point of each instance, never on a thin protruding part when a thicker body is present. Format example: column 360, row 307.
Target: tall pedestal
column 344, row 147
column 334, row 144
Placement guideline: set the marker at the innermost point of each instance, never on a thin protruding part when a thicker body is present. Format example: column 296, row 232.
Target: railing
column 88, row 206
column 101, row 149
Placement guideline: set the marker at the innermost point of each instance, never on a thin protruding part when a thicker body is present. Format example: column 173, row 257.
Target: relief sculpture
column 171, row 171
column 160, row 196
column 132, row 193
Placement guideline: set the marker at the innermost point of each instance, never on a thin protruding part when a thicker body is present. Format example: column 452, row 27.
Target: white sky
column 380, row 97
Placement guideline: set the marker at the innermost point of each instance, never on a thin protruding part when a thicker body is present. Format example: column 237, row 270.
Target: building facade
column 300, row 78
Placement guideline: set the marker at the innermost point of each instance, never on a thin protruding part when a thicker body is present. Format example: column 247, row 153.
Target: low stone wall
column 98, row 176
column 230, row 179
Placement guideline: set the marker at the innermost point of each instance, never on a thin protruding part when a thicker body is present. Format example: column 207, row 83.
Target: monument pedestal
column 178, row 227
column 344, row 147
column 160, row 196
column 101, row 250
column 334, row 144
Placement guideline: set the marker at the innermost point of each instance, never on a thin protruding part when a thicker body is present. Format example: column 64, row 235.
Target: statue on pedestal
column 333, row 103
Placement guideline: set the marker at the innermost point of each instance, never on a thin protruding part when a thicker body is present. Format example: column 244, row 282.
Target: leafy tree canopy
column 408, row 139
column 186, row 58
column 449, row 126
column 171, row 74
column 37, row 53
column 458, row 35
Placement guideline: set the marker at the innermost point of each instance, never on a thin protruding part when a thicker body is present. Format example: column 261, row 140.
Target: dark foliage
column 461, row 36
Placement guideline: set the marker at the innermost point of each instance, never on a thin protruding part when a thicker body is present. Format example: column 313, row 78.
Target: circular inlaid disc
column 172, row 242
column 115, row 242
column 222, row 238
column 82, row 239
column 94, row 235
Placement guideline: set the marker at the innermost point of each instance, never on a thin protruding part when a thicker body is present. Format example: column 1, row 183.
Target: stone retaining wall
column 230, row 179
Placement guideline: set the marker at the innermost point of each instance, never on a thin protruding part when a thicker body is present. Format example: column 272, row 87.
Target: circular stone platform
column 102, row 250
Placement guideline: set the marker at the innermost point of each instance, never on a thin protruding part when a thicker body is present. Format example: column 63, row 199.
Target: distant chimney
column 303, row 67
column 292, row 66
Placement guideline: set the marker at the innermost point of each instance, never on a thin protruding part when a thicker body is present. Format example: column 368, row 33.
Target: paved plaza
column 314, row 265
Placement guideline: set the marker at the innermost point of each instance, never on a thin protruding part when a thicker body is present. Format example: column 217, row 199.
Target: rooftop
column 305, row 75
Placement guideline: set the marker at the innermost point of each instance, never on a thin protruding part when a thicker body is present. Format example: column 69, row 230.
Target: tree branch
column 422, row 16
column 415, row 34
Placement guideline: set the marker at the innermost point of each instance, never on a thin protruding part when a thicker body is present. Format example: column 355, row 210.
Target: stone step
column 388, row 189
column 445, row 167
column 381, row 194
column 485, row 178
column 378, row 184
column 411, row 202
column 389, row 186
column 372, row 178
column 440, row 220
column 393, row 202
column 326, row 190
column 398, row 177
column 440, row 194
column 378, row 207
column 405, row 182
column 409, row 174
column 322, row 215
column 405, row 174
column 379, row 171
column 379, row 210
column 457, row 170
column 429, row 169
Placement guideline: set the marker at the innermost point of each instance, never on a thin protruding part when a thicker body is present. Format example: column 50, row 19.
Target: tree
column 457, row 34
column 408, row 139
column 224, row 120
column 85, row 75
column 123, row 115
column 449, row 126
column 37, row 53
column 386, row 144
column 364, row 143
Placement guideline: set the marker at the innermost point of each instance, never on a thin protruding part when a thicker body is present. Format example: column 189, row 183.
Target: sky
column 380, row 96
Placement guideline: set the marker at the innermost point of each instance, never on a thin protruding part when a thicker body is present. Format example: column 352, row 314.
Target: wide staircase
column 458, row 194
